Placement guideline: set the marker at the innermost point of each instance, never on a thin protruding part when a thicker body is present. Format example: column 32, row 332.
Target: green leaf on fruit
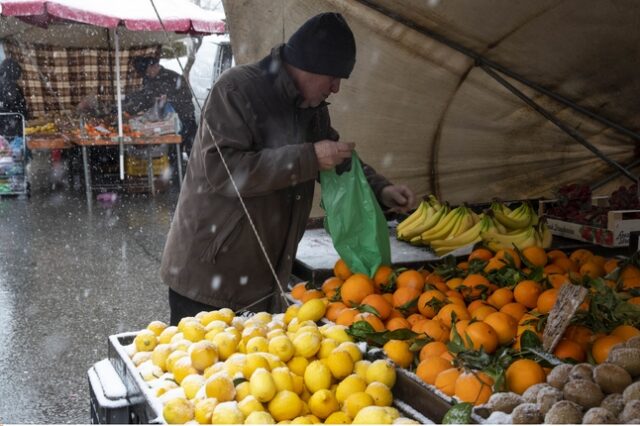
column 459, row 414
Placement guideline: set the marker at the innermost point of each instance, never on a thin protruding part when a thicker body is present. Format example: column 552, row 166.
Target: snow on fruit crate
column 620, row 224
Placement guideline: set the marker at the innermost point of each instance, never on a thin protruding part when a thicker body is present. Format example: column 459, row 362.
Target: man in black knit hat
column 270, row 124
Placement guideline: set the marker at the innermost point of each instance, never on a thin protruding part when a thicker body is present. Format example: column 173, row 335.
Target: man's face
column 152, row 70
column 315, row 88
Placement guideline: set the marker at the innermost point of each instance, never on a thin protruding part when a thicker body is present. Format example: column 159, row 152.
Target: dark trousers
column 184, row 307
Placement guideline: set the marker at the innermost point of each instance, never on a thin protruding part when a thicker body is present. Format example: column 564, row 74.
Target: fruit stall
column 514, row 331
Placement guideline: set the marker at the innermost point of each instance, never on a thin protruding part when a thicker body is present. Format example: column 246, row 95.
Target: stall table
column 40, row 143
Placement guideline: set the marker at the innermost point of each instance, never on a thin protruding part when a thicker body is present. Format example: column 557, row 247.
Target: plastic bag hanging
column 354, row 219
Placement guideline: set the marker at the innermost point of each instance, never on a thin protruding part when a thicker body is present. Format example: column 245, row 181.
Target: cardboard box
column 620, row 224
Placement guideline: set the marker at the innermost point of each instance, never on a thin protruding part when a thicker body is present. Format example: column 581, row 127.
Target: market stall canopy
column 423, row 111
column 82, row 23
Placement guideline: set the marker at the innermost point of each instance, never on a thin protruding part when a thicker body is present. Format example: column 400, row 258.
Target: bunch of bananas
column 519, row 227
column 42, row 129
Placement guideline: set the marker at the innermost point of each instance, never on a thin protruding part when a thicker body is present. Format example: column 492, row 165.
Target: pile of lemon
column 218, row 368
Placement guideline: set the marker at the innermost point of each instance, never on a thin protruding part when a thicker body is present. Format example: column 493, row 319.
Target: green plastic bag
column 354, row 219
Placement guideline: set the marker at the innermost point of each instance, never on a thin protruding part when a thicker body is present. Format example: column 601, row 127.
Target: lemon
column 281, row 347
column 394, row 413
column 353, row 350
column 337, row 333
column 226, row 344
column 250, row 404
column 373, row 415
column 340, row 363
column 220, row 386
column 149, row 371
column 262, row 317
column 262, row 385
column 213, row 369
column 167, row 334
column 192, row 384
column 312, row 310
column 382, row 371
column 259, row 418
column 157, row 327
column 254, row 331
column 307, row 344
column 298, row 365
column 380, row 393
column 360, row 368
column 235, row 364
column 204, row 410
column 181, row 345
column 293, row 325
column 252, row 363
column 308, row 326
column 215, row 325
column 140, row 357
column 203, row 354
column 301, row 420
column 350, row 385
column 282, row 379
column 182, row 368
column 178, row 411
column 405, row 421
column 257, row 344
column 210, row 334
column 317, row 376
column 227, row 413
column 164, row 386
column 356, row 402
column 313, row 419
column 226, row 315
column 323, row 403
column 160, row 354
column 326, row 347
column 291, row 313
column 275, row 332
column 298, row 383
column 172, row 358
column 338, row 418
column 184, row 321
column 193, row 331
column 242, row 390
column 145, row 341
column 286, row 405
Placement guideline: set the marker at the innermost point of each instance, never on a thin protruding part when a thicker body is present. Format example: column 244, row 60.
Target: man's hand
column 331, row 154
column 399, row 198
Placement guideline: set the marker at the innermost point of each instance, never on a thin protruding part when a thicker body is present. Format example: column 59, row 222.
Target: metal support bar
column 568, row 130
column 614, row 175
column 179, row 161
column 481, row 60
column 87, row 172
column 152, row 186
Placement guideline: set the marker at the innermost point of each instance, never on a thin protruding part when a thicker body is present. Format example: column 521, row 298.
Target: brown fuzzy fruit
column 584, row 393
column 559, row 376
column 611, row 378
column 531, row 394
column 564, row 412
column 631, row 411
column 526, row 413
column 627, row 358
column 504, row 401
column 547, row 397
column 583, row 371
column 613, row 403
column 631, row 392
column 598, row 416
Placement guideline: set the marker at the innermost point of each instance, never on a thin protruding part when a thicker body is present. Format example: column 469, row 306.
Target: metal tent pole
column 119, row 98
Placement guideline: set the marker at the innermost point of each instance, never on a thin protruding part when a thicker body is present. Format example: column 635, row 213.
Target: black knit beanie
column 322, row 45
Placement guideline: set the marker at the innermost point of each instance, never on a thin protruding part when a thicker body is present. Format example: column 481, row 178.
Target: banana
column 407, row 232
column 412, row 217
column 517, row 219
column 545, row 234
column 469, row 237
column 443, row 227
column 431, row 199
column 466, row 221
column 522, row 238
column 425, row 224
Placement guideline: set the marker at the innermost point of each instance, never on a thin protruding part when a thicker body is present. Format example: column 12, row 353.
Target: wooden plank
column 38, row 144
column 152, row 140
column 570, row 297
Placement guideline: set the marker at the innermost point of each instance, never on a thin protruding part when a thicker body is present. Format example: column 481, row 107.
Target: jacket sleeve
column 228, row 121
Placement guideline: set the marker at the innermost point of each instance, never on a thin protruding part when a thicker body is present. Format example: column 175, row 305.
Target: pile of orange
column 485, row 315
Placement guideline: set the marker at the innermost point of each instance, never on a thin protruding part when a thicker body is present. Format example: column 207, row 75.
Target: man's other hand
column 399, row 198
column 330, row 153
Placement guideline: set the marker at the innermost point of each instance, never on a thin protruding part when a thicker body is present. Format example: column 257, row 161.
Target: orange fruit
column 523, row 374
column 382, row 276
column 432, row 278
column 432, row 349
column 598, row 260
column 625, row 331
column 454, row 283
column 566, row 264
column 630, row 271
column 463, row 265
column 460, row 327
column 341, row 270
column 389, row 298
column 448, row 356
column 478, row 303
column 515, row 309
column 372, row 319
column 592, row 269
column 482, row 312
column 500, row 297
column 602, row 346
column 505, row 254
column 482, row 335
column 397, row 323
column 504, row 325
column 430, row 367
column 474, row 387
column 535, row 255
column 555, row 254
column 311, row 294
column 557, row 280
column 379, row 303
column 432, row 328
column 331, row 283
column 568, row 349
column 413, row 319
column 631, row 282
column 398, row 351
column 527, row 293
column 494, row 264
column 298, row 290
column 355, row 289
column 404, row 297
column 446, row 381
column 634, row 300
column 410, row 278
column 610, row 265
column 546, row 300
column 579, row 334
column 445, row 314
column 429, row 303
column 552, row 268
column 474, row 285
column 333, row 310
column 580, row 256
column 480, row 253
column 346, row 316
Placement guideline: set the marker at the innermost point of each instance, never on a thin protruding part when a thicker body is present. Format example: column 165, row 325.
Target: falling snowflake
column 216, row 282
column 244, row 280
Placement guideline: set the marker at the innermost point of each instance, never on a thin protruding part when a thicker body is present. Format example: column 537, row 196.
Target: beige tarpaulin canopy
column 425, row 114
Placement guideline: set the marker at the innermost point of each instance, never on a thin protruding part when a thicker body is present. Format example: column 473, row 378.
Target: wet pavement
column 71, row 274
